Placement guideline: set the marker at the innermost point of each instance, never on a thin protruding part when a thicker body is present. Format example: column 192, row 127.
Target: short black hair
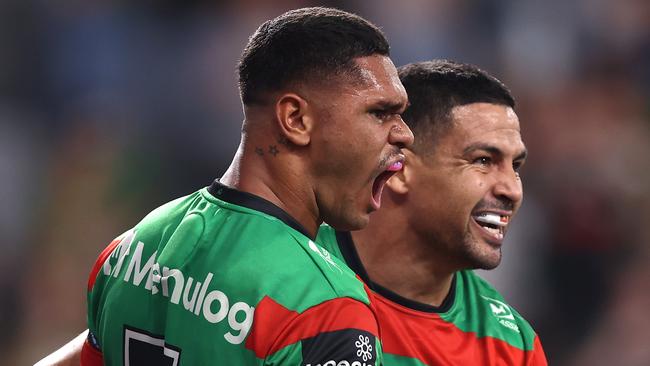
column 435, row 87
column 305, row 44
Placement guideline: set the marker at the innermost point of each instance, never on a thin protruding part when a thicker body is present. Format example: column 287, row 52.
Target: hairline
column 428, row 134
column 348, row 75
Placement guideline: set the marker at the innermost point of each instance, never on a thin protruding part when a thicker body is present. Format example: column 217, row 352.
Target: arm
column 338, row 330
column 68, row 355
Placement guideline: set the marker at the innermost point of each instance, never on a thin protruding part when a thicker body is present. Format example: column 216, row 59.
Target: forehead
column 376, row 81
column 487, row 123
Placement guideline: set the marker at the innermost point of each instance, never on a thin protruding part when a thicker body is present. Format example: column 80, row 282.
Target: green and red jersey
column 473, row 326
column 225, row 277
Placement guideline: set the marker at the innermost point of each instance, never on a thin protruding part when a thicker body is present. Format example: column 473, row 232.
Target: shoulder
column 327, row 238
column 206, row 231
column 326, row 314
column 500, row 319
column 315, row 274
column 331, row 330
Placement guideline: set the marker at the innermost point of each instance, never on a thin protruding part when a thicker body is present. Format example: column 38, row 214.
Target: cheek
column 467, row 193
column 437, row 197
column 345, row 160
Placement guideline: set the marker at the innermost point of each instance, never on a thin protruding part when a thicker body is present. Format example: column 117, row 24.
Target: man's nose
column 400, row 134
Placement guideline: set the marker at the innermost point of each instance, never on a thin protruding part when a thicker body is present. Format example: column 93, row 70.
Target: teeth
column 496, row 232
column 493, row 219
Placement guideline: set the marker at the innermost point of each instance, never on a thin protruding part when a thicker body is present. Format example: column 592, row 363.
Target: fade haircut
column 309, row 44
column 435, row 87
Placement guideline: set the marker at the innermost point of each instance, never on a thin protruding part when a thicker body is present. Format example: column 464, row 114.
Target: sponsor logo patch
column 503, row 313
column 364, row 348
column 348, row 347
column 323, row 253
column 201, row 298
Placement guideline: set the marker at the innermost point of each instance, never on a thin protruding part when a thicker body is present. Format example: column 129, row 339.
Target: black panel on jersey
column 346, row 244
column 145, row 348
column 254, row 202
column 147, row 354
column 343, row 345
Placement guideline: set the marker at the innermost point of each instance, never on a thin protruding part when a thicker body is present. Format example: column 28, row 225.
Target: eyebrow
column 390, row 105
column 492, row 150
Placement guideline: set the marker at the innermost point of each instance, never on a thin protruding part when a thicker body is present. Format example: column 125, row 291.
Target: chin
column 479, row 254
column 350, row 223
column 359, row 223
column 486, row 261
column 487, row 265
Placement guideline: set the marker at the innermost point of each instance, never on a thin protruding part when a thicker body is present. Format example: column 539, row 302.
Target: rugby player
column 445, row 214
column 230, row 274
column 439, row 221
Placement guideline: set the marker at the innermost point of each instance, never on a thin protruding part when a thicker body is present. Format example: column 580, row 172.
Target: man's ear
column 294, row 121
column 401, row 181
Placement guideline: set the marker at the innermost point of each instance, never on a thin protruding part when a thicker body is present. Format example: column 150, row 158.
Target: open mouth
column 493, row 223
column 380, row 182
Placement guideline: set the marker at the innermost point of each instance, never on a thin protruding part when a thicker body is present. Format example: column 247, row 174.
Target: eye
column 483, row 160
column 516, row 166
column 383, row 114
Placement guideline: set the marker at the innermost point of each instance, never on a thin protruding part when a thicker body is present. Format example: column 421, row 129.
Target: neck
column 400, row 261
column 274, row 174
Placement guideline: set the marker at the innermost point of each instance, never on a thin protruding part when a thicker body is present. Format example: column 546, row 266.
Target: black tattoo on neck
column 273, row 150
column 259, row 151
column 282, row 140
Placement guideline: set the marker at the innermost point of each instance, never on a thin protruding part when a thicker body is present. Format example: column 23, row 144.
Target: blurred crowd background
column 109, row 108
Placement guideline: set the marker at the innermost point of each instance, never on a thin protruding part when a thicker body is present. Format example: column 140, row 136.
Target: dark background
column 110, row 108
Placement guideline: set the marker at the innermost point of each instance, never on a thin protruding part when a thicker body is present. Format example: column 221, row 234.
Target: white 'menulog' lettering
column 197, row 298
column 244, row 326
column 140, row 272
column 223, row 306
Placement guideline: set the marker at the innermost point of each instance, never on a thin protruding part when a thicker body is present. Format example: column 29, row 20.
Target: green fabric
column 229, row 258
column 480, row 309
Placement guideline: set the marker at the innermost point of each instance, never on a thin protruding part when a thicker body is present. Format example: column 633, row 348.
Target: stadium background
column 109, row 108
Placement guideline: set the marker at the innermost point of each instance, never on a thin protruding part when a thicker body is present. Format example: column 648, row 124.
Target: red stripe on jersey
column 371, row 305
column 538, row 356
column 275, row 327
column 90, row 356
column 100, row 262
column 435, row 341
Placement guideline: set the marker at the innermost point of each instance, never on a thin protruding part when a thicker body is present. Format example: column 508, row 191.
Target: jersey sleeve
column 337, row 330
column 91, row 354
column 537, row 356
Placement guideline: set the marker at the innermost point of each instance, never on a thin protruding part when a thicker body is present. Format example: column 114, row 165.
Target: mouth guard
column 396, row 166
column 490, row 218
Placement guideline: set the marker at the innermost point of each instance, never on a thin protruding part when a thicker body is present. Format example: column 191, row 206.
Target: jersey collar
column 257, row 203
column 351, row 256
